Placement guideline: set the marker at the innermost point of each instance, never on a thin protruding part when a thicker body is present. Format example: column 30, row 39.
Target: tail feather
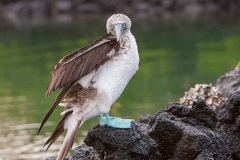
column 69, row 138
column 58, row 130
column 54, row 138
column 71, row 124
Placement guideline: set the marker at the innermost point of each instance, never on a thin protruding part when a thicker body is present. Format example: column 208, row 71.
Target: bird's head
column 118, row 24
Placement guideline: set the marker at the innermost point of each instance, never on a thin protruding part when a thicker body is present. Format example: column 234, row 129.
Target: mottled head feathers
column 117, row 19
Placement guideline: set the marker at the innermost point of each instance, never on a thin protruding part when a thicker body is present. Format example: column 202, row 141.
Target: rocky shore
column 178, row 132
column 46, row 8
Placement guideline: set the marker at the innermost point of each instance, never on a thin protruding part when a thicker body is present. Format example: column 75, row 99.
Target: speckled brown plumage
column 78, row 94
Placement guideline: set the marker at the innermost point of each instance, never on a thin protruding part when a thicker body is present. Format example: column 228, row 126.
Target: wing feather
column 74, row 66
column 81, row 62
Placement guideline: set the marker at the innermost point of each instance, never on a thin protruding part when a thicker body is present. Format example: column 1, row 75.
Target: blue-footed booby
column 91, row 79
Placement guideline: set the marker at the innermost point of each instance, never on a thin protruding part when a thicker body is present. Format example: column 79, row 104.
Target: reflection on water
column 17, row 136
column 18, row 142
column 173, row 58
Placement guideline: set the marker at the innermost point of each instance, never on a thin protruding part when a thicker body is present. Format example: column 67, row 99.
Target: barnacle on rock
column 208, row 93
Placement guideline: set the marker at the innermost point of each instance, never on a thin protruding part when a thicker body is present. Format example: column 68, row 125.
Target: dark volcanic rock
column 229, row 83
column 145, row 118
column 229, row 112
column 177, row 132
column 229, row 122
column 114, row 143
column 185, row 133
column 84, row 152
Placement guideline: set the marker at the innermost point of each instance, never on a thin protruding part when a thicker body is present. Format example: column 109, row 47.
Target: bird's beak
column 118, row 30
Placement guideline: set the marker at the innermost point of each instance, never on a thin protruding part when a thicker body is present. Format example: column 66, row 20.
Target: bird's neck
column 125, row 37
column 127, row 41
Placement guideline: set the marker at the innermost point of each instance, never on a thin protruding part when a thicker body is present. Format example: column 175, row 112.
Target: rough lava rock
column 229, row 122
column 229, row 83
column 178, row 132
column 115, row 143
column 189, row 133
column 84, row 152
column 229, row 112
column 145, row 118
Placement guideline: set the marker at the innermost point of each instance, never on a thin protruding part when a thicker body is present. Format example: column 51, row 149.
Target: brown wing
column 81, row 62
column 76, row 65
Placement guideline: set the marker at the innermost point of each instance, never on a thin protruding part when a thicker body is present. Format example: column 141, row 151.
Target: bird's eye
column 113, row 26
column 124, row 25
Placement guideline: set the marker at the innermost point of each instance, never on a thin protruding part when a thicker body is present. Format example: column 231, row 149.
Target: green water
column 174, row 57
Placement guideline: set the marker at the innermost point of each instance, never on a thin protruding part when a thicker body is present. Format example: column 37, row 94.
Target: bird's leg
column 102, row 119
column 108, row 118
column 114, row 121
column 105, row 120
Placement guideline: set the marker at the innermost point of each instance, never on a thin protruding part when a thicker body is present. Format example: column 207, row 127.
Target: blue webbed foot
column 115, row 121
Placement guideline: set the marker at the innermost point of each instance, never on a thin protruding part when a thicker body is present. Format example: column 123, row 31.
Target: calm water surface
column 174, row 57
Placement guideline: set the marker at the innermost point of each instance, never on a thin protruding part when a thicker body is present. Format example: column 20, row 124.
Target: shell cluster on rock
column 208, row 93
